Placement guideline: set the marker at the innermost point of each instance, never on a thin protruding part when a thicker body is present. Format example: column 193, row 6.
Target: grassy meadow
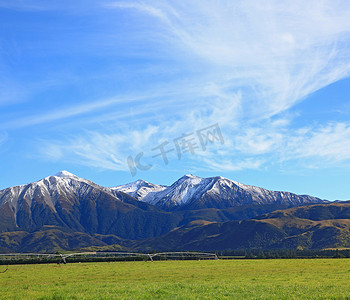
column 211, row 279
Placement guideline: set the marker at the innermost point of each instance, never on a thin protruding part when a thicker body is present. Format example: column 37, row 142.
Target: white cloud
column 253, row 61
column 280, row 51
column 225, row 165
column 68, row 112
column 250, row 147
column 274, row 54
column 95, row 150
column 318, row 146
column 329, row 143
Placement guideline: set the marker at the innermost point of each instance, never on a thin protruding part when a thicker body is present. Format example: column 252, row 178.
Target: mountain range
column 66, row 212
column 192, row 192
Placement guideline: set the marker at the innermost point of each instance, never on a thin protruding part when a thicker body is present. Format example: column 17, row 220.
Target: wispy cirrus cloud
column 275, row 54
column 67, row 112
column 317, row 146
column 329, row 143
column 94, row 150
column 247, row 147
column 280, row 52
column 99, row 150
column 245, row 64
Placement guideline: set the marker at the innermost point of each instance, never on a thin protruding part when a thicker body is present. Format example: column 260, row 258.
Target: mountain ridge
column 65, row 211
column 193, row 192
column 294, row 228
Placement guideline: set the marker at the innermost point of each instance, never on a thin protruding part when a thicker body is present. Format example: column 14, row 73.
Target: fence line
column 62, row 257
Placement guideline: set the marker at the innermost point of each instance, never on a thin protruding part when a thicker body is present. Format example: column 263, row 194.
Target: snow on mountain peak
column 132, row 186
column 65, row 174
column 190, row 176
column 139, row 189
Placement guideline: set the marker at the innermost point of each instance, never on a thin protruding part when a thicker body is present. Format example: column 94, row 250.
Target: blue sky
column 86, row 85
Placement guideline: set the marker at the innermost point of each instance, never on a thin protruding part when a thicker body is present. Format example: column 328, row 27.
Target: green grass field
column 220, row 279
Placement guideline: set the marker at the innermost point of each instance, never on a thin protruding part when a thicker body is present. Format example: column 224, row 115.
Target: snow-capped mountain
column 192, row 192
column 67, row 201
column 140, row 189
column 69, row 211
column 49, row 190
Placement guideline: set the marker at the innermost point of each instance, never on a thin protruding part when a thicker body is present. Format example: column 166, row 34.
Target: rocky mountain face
column 192, row 192
column 67, row 212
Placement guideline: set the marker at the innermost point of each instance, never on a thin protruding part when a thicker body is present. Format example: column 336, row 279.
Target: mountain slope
column 311, row 227
column 192, row 192
column 67, row 201
column 65, row 212
column 51, row 239
column 79, row 205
